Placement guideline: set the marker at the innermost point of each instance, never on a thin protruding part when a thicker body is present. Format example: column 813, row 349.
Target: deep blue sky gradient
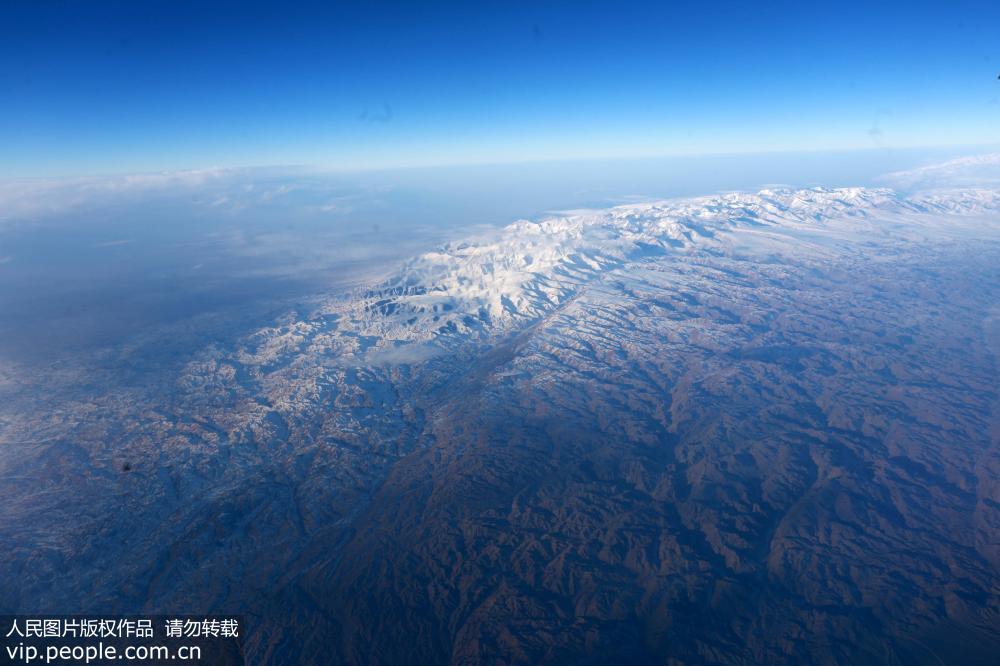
column 99, row 87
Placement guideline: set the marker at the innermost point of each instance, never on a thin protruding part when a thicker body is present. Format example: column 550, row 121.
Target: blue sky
column 105, row 87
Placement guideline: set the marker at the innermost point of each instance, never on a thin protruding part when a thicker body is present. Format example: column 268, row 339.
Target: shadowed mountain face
column 739, row 429
column 698, row 482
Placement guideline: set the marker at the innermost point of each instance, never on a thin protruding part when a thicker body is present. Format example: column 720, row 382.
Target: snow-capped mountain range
column 484, row 287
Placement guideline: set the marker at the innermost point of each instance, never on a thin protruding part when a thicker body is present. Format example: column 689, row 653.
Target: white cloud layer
column 971, row 171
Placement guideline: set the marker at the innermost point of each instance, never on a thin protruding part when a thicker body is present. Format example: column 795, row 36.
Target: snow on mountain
column 480, row 288
column 483, row 288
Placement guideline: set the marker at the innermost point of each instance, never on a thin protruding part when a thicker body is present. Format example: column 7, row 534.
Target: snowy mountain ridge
column 483, row 287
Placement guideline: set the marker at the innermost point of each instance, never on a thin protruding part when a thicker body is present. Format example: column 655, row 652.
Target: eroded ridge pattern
column 745, row 428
